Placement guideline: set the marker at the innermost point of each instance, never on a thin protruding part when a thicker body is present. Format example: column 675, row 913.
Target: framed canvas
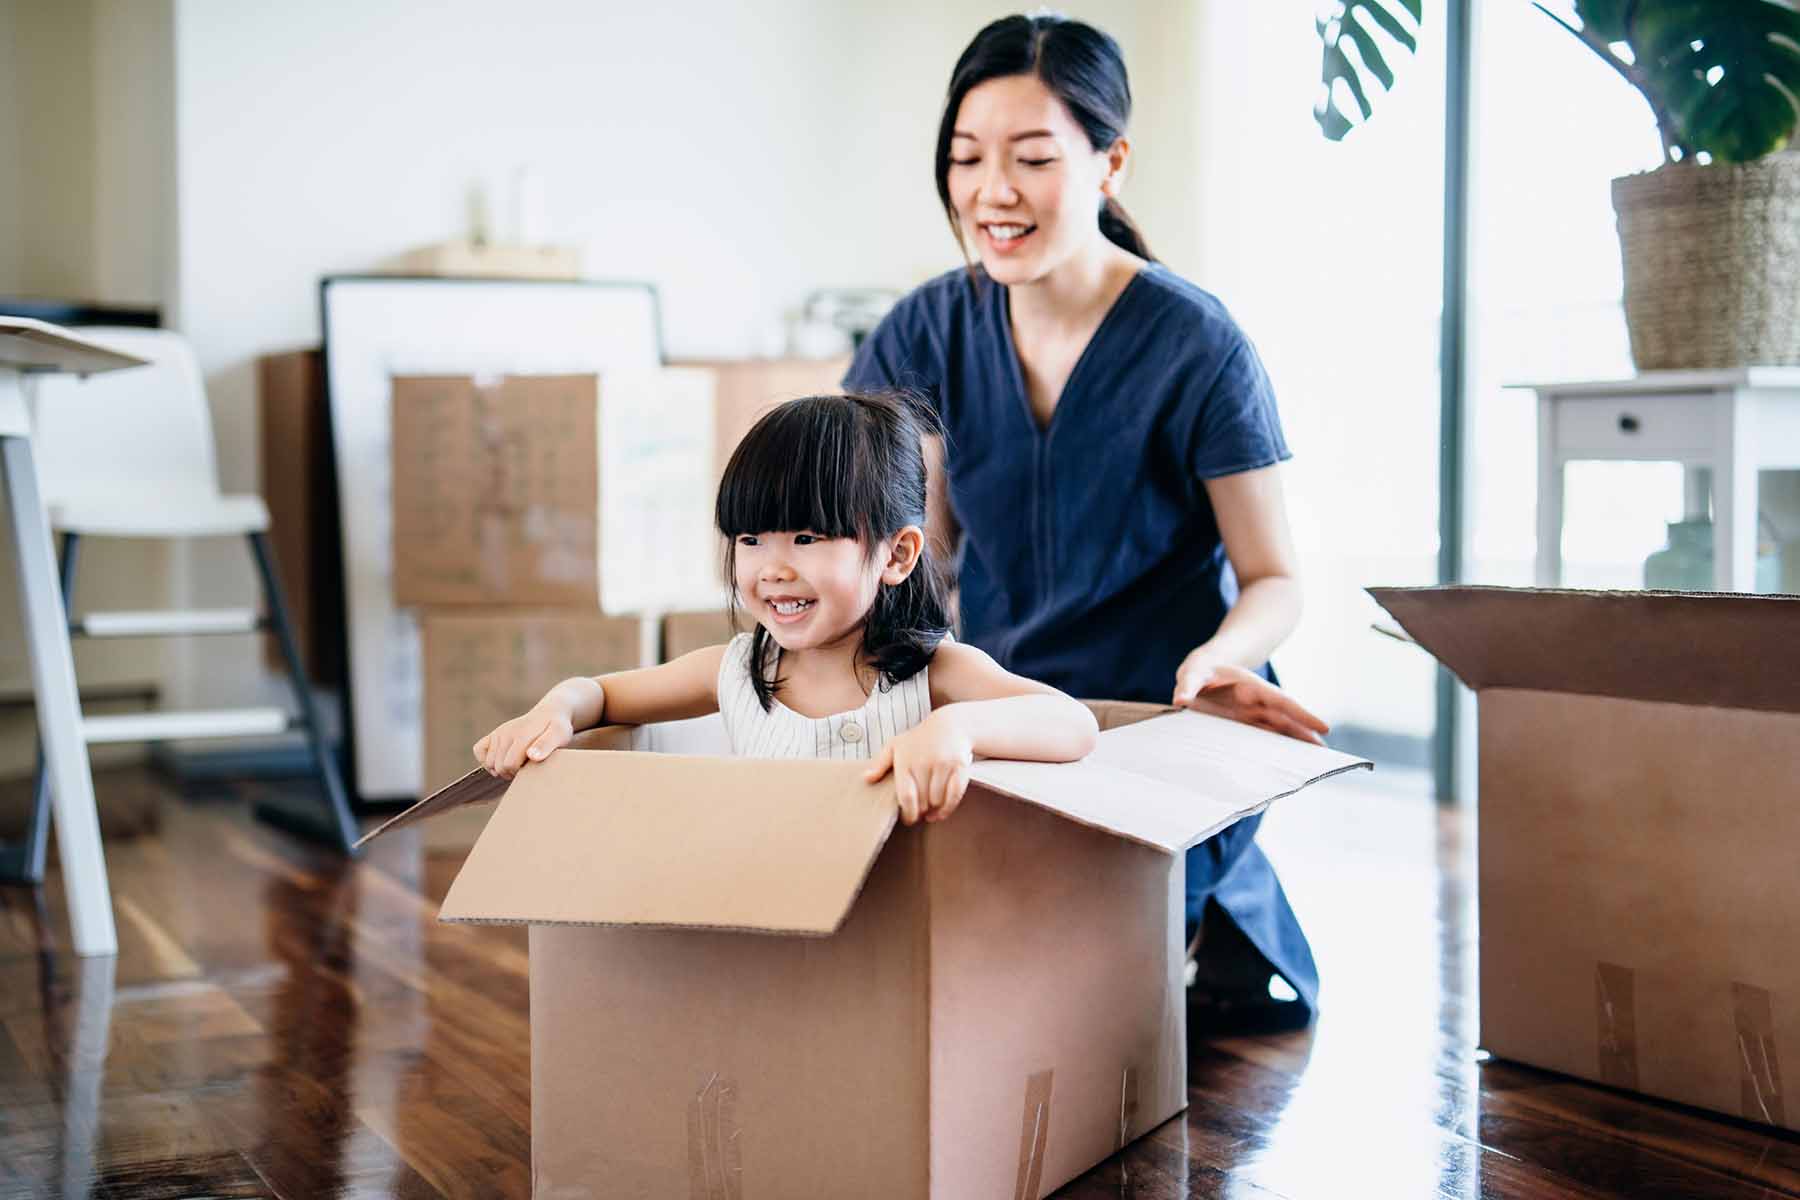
column 378, row 327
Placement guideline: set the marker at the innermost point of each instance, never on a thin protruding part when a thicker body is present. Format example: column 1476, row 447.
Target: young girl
column 823, row 505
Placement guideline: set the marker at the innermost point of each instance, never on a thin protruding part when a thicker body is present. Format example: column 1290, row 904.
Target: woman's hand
column 1245, row 696
column 930, row 763
column 530, row 738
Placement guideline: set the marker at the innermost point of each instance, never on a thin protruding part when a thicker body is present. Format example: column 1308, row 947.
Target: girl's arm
column 978, row 708
column 687, row 687
column 1218, row 676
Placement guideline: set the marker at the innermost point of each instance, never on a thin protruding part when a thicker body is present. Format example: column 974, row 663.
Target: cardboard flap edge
column 477, row 787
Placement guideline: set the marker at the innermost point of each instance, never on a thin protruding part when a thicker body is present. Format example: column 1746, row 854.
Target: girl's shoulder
column 958, row 669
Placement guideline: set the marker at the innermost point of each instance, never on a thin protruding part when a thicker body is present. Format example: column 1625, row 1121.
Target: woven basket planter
column 1712, row 263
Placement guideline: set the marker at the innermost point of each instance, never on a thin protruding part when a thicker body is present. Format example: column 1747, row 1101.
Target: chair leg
column 341, row 829
column 23, row 861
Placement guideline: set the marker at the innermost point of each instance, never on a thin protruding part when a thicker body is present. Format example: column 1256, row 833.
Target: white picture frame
column 377, row 327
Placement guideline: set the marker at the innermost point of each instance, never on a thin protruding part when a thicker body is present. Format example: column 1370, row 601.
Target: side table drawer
column 1645, row 427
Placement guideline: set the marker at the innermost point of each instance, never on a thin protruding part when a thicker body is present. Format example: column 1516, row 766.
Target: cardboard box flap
column 1714, row 650
column 477, row 787
column 625, row 838
column 1172, row 780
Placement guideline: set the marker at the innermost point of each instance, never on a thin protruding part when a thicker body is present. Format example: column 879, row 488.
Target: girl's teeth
column 1006, row 233
column 789, row 607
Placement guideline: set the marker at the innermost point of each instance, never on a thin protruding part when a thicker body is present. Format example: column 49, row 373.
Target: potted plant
column 1711, row 238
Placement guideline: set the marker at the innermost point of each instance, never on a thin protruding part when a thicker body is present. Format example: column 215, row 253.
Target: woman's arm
column 978, row 708
column 1252, row 515
column 687, row 687
column 1218, row 676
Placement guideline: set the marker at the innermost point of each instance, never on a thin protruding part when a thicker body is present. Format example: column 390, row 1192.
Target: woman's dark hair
column 841, row 466
column 1080, row 65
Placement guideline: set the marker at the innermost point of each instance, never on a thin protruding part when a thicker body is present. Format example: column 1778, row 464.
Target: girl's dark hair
column 1080, row 65
column 841, row 466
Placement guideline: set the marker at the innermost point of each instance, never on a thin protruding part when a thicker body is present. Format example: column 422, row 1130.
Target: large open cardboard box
column 746, row 982
column 1639, row 828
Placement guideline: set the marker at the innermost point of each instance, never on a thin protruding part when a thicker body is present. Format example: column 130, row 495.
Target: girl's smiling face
column 1026, row 184
column 810, row 591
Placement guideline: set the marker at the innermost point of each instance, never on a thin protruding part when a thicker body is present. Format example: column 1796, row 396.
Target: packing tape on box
column 1754, row 1012
column 1128, row 1103
column 1615, row 1019
column 715, row 1160
column 1033, row 1133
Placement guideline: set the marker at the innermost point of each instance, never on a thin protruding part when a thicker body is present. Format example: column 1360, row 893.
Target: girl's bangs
column 800, row 468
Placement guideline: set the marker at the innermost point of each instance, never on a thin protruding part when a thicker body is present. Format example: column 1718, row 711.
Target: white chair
column 130, row 455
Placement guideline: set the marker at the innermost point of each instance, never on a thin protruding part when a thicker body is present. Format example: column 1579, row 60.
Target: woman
column 1110, row 467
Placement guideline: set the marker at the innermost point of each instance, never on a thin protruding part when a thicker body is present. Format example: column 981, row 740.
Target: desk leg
column 75, row 821
column 1549, row 499
column 1734, row 499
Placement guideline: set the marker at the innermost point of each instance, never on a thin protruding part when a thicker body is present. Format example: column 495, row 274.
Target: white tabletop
column 1652, row 382
column 31, row 347
column 38, row 346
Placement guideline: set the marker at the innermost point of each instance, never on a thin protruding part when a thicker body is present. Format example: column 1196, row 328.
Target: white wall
column 736, row 155
column 86, row 213
column 11, row 197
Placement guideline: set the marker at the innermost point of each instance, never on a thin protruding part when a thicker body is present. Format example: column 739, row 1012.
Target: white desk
column 30, row 348
column 1735, row 423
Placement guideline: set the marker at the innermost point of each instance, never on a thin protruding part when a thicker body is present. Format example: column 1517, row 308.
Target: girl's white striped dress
column 783, row 733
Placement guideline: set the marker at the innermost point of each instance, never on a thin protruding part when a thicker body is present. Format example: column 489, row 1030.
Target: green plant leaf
column 1347, row 26
column 1605, row 17
column 1726, row 71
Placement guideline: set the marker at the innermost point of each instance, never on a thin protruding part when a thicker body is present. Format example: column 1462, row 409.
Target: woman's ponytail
column 1122, row 231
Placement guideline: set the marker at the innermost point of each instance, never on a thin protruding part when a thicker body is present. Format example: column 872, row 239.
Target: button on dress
column 1092, row 558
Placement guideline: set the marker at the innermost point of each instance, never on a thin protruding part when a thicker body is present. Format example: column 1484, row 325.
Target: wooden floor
column 280, row 1024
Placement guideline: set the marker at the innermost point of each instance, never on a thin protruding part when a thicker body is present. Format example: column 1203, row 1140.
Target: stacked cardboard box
column 544, row 524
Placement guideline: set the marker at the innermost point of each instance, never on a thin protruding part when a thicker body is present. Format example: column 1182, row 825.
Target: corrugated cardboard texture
column 303, row 512
column 474, row 789
column 685, row 632
column 496, row 490
column 482, row 668
column 1639, row 895
column 717, row 1066
column 1683, row 649
column 1055, row 961
column 1111, row 714
column 604, row 837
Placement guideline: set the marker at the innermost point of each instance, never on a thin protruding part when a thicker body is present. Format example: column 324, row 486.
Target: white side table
column 30, row 348
column 1735, row 423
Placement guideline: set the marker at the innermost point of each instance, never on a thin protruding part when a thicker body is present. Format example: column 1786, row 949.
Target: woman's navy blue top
column 1092, row 558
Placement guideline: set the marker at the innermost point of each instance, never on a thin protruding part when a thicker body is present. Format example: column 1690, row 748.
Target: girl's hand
column 529, row 738
column 930, row 763
column 1244, row 696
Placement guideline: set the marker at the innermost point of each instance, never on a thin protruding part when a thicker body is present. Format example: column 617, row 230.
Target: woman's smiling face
column 1026, row 184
